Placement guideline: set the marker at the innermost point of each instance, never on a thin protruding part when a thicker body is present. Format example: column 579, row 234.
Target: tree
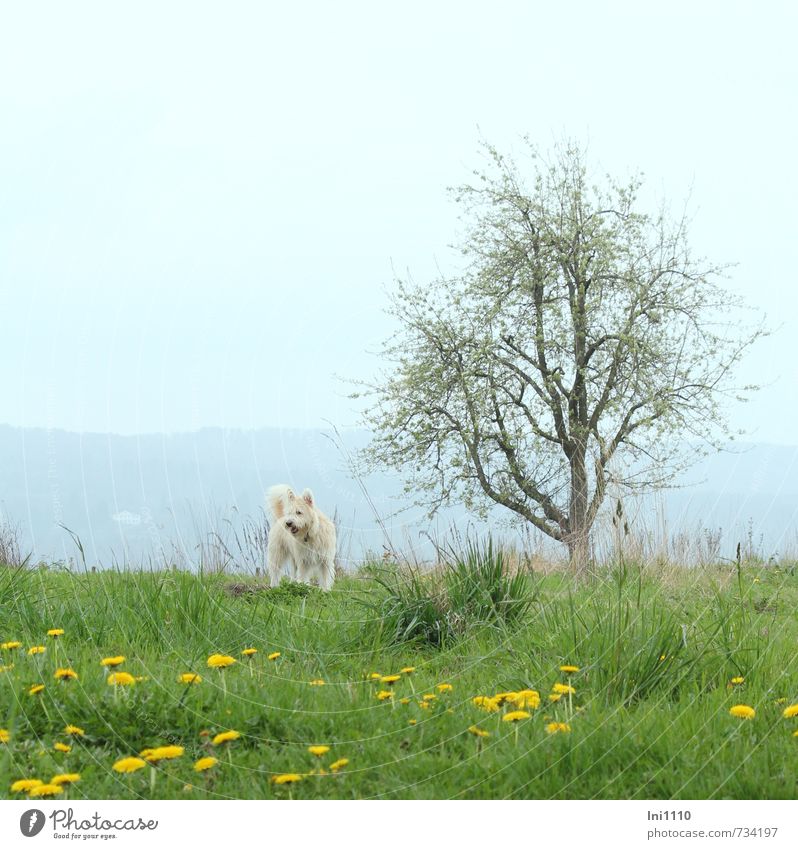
column 582, row 348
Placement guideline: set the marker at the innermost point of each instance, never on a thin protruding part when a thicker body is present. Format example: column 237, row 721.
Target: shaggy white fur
column 302, row 535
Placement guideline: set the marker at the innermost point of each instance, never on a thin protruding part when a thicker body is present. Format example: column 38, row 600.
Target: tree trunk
column 579, row 535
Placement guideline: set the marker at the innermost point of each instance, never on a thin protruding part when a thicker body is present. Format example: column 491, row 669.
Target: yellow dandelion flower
column 384, row 694
column 110, row 662
column 317, row 682
column 13, row 644
column 65, row 778
column 430, row 697
column 423, row 705
column 162, row 753
column 558, row 728
column 35, row 689
column 62, row 747
column 411, row 721
column 444, row 688
column 129, row 764
column 318, row 751
column 501, row 698
column 795, row 733
column 404, row 701
column 46, row 790
column 515, row 716
column 526, row 699
column 4, row 735
column 75, row 731
column 742, row 711
column 738, row 679
column 220, row 661
column 555, row 697
column 286, row 778
column 225, row 737
column 339, row 764
column 790, row 712
column 120, row 679
column 273, row 656
column 190, row 678
column 563, row 689
column 249, row 652
column 55, row 632
column 37, row 650
column 25, row 785
column 65, row 674
column 389, row 679
column 375, row 676
column 569, row 668
column 407, row 670
column 205, row 763
column 486, row 703
column 477, row 731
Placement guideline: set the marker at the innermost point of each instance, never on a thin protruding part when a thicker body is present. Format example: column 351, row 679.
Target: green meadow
column 663, row 655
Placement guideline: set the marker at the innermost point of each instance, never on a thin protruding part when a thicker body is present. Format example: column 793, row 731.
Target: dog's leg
column 326, row 575
column 275, row 556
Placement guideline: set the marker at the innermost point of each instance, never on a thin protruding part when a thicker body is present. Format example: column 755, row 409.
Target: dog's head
column 300, row 515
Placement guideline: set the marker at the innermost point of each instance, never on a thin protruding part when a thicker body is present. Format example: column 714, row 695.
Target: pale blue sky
column 200, row 203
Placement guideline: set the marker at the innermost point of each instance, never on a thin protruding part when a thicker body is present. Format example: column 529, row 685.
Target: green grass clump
column 648, row 715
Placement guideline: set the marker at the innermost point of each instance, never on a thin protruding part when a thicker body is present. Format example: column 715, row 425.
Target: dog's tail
column 276, row 498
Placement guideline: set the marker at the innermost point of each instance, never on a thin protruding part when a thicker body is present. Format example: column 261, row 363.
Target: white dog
column 302, row 535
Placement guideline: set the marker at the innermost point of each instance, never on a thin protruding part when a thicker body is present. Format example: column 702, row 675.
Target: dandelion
column 37, row 650
column 74, row 731
column 62, row 747
column 273, row 656
column 190, row 678
column 404, row 701
column 737, row 680
column 487, row 703
column 225, row 737
column 111, row 662
column 430, row 697
column 795, row 733
column 477, row 731
column 384, row 694
column 318, row 751
column 558, row 728
column 790, row 712
column 555, row 697
column 129, row 764
column 411, row 721
column 25, row 785
column 515, row 716
column 569, row 669
column 423, row 705
column 162, row 753
column 4, row 736
column 389, row 679
column 375, row 676
column 526, row 699
column 563, row 689
column 249, row 652
column 204, row 764
column 501, row 698
column 46, row 790
column 55, row 632
column 742, row 711
column 67, row 674
column 286, row 778
column 13, row 644
column 335, row 766
column 444, row 688
column 407, row 670
column 317, row 682
column 120, row 679
column 65, row 778
column 220, row 661
column 35, row 689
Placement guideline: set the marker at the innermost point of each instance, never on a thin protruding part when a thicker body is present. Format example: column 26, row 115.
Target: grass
column 649, row 719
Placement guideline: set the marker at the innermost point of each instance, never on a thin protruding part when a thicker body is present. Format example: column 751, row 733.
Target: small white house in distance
column 125, row 517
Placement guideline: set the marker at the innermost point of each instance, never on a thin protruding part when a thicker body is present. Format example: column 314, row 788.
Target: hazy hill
column 126, row 496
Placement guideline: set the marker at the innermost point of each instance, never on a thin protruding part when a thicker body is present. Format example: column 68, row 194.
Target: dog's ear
column 290, row 495
column 307, row 496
